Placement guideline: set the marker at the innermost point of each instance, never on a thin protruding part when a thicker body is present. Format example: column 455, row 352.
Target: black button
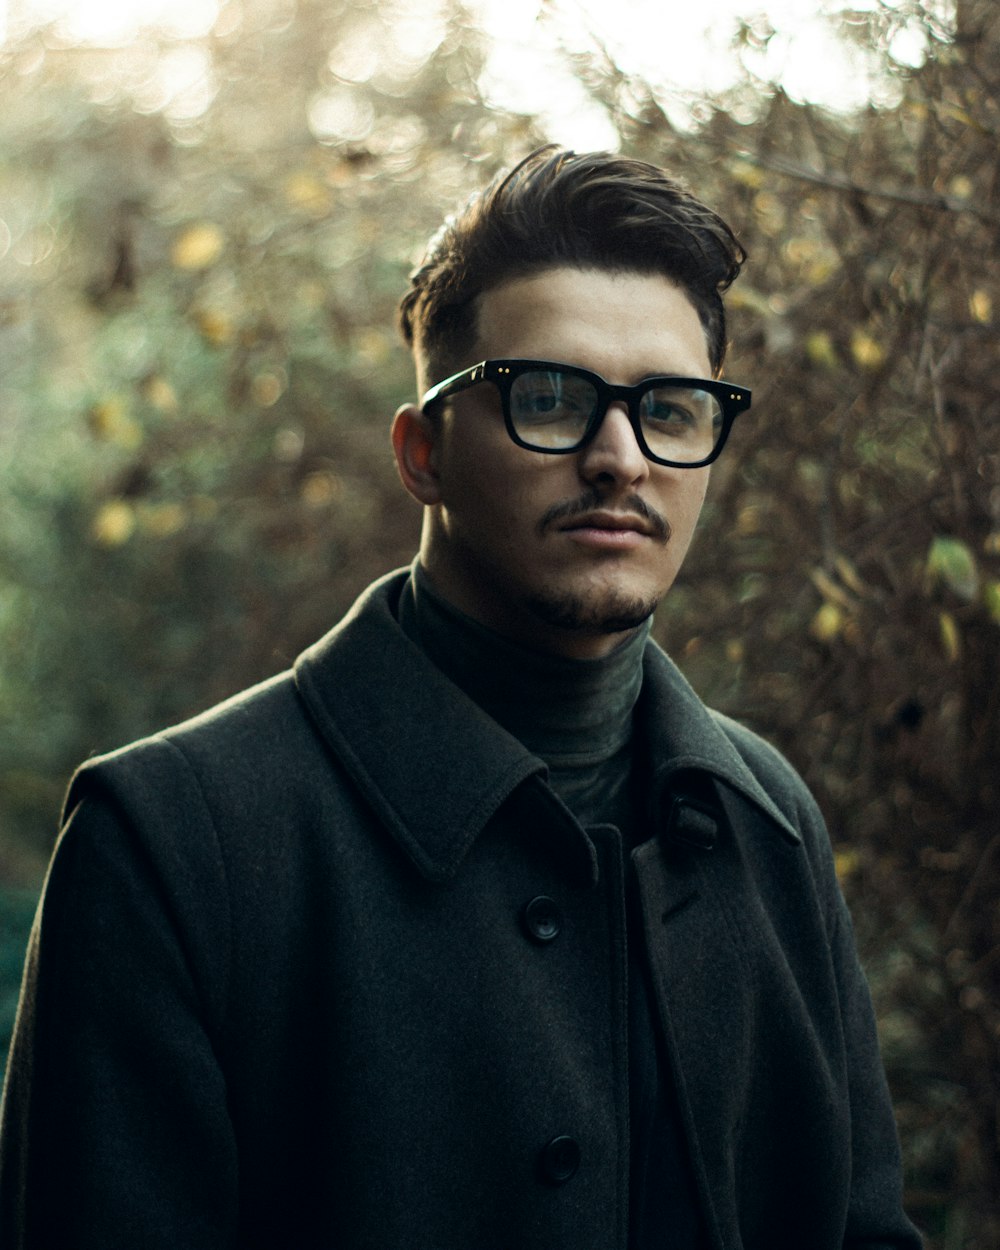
column 560, row 1159
column 542, row 919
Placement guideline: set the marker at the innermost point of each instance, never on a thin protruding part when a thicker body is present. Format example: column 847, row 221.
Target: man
column 477, row 931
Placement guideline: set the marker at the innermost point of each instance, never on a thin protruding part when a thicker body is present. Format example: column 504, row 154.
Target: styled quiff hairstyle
column 557, row 208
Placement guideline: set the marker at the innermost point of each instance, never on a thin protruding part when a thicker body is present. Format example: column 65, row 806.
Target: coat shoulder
column 785, row 787
column 766, row 762
column 235, row 739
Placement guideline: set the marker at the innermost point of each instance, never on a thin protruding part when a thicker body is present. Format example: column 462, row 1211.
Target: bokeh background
column 206, row 219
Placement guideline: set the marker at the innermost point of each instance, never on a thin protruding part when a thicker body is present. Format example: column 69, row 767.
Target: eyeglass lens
column 550, row 410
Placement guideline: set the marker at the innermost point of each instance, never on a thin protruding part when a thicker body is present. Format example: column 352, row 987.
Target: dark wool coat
column 287, row 988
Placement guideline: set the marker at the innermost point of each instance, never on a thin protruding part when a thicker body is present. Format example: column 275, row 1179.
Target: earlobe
column 414, row 441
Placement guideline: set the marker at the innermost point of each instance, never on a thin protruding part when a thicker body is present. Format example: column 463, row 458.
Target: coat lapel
column 695, row 904
column 684, row 736
column 431, row 763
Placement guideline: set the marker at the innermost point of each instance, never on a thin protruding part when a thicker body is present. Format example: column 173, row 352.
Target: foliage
column 196, row 309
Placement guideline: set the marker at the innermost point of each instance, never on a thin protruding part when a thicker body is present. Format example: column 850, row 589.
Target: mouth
column 611, row 522
column 612, row 531
column 593, row 520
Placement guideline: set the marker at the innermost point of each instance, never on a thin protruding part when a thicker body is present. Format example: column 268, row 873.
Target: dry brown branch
column 835, row 181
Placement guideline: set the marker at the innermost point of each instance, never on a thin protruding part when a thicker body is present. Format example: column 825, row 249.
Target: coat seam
column 225, row 1021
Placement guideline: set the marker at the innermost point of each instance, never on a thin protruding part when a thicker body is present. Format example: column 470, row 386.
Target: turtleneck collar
column 566, row 711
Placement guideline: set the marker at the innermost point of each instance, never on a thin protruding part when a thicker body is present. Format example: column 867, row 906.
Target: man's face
column 565, row 553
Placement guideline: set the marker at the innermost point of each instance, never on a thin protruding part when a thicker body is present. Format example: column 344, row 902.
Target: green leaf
column 952, row 562
column 991, row 597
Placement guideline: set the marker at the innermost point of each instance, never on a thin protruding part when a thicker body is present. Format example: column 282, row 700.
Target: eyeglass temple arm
column 457, row 382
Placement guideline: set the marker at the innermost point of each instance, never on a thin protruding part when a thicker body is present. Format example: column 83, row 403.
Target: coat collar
column 688, row 737
column 436, row 768
column 433, row 765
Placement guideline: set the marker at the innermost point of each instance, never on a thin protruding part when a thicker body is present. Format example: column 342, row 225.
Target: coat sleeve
column 115, row 1130
column 875, row 1219
column 875, row 1216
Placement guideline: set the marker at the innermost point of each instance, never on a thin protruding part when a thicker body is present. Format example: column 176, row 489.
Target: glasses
column 554, row 408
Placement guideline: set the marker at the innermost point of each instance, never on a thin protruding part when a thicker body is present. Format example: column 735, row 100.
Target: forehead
column 623, row 325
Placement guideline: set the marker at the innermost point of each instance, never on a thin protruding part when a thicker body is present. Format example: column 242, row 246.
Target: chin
column 610, row 613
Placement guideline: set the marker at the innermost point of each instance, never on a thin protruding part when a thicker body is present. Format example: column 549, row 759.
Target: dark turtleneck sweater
column 577, row 716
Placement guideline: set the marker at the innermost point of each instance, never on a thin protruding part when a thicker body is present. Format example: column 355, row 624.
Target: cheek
column 696, row 495
column 682, row 500
column 478, row 489
column 489, row 477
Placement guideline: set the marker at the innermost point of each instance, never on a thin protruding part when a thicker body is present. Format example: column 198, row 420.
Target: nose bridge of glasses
column 623, row 402
column 627, row 400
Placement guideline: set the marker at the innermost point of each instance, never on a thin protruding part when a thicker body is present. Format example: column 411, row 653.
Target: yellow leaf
column 215, row 326
column 829, row 589
column 828, row 623
column 820, row 349
column 950, row 637
column 747, row 174
column 750, row 299
column 981, row 306
column 849, row 575
column 110, row 420
column 198, row 247
column 769, row 213
column 160, row 394
column 800, row 250
column 867, row 351
column 846, row 862
column 750, row 519
column 114, row 523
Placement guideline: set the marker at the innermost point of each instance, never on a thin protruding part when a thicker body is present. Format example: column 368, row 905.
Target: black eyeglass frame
column 502, row 373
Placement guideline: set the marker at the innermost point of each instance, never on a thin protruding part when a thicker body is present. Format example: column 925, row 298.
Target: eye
column 662, row 413
column 540, row 398
column 538, row 402
column 680, row 411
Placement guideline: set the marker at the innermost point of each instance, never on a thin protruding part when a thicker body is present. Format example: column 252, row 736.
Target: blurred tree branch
column 841, row 182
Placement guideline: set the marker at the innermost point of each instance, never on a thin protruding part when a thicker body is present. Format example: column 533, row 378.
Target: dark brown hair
column 555, row 208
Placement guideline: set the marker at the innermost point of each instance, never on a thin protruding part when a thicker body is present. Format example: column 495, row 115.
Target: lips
column 595, row 514
column 615, row 521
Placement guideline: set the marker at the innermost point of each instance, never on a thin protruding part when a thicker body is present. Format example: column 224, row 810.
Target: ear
column 414, row 441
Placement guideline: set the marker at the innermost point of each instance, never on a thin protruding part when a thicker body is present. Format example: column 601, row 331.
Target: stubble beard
column 613, row 614
column 607, row 613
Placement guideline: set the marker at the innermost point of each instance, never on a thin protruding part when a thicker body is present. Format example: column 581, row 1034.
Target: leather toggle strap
column 692, row 823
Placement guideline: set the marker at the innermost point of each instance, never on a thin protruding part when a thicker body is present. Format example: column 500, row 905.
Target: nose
column 613, row 457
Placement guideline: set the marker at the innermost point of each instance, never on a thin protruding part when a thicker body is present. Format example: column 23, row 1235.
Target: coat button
column 542, row 919
column 560, row 1159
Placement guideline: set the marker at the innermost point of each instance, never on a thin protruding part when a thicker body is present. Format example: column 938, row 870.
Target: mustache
column 593, row 501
